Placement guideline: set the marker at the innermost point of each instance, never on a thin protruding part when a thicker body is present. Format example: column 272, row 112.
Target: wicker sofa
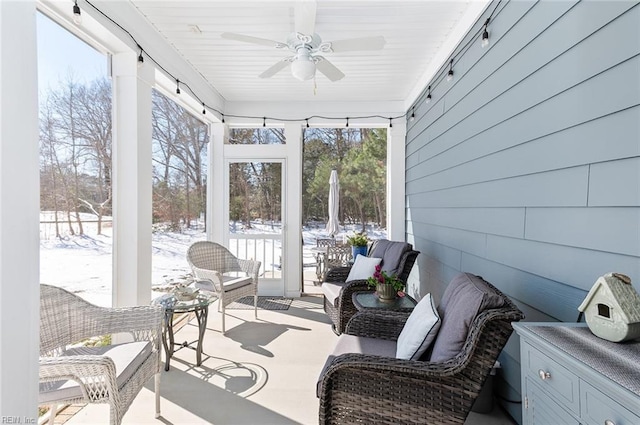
column 370, row 385
column 337, row 291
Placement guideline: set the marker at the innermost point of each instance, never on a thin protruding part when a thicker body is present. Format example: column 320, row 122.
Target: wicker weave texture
column 211, row 261
column 67, row 319
column 343, row 310
column 367, row 389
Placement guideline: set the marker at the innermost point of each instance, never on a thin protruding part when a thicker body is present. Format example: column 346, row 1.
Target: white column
column 292, row 210
column 19, row 211
column 216, row 220
column 396, row 147
column 132, row 184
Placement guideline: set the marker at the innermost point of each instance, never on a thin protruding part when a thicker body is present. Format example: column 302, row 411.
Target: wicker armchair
column 111, row 374
column 341, row 309
column 211, row 263
column 371, row 389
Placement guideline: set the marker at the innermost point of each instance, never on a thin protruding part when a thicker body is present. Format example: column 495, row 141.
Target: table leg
column 168, row 332
column 201, row 316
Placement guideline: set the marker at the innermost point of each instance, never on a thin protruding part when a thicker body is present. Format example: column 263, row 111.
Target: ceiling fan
column 307, row 46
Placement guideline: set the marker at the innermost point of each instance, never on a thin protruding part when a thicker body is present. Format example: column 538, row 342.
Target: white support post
column 215, row 185
column 132, row 180
column 19, row 212
column 396, row 149
column 293, row 210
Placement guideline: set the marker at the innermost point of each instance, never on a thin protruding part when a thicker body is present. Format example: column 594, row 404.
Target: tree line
column 76, row 157
column 76, row 165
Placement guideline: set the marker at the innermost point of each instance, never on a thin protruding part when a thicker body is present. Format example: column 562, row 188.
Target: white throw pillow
column 363, row 268
column 419, row 331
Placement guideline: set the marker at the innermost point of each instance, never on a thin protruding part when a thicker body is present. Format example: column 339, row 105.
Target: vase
column 355, row 250
column 386, row 292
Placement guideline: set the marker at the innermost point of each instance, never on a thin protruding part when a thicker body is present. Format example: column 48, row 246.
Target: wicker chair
column 371, row 389
column 111, row 374
column 342, row 308
column 211, row 263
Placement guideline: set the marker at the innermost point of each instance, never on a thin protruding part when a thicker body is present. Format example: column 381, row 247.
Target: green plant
column 381, row 277
column 358, row 239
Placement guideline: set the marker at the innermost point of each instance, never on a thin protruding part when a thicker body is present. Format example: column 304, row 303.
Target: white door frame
column 267, row 286
column 217, row 204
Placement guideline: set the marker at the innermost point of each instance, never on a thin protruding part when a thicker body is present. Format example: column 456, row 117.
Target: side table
column 369, row 300
column 200, row 306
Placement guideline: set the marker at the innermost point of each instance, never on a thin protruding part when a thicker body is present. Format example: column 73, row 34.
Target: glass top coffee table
column 369, row 300
column 199, row 305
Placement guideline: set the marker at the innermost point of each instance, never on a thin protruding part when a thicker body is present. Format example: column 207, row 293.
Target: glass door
column 255, row 217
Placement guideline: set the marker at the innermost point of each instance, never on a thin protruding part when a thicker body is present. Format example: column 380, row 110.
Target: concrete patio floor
column 262, row 372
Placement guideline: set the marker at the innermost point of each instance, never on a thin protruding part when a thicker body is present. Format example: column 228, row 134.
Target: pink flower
column 401, row 294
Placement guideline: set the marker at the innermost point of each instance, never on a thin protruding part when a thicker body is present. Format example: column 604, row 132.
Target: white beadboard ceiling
column 416, row 33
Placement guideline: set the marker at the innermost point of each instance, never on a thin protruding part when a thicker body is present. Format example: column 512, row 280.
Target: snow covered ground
column 82, row 264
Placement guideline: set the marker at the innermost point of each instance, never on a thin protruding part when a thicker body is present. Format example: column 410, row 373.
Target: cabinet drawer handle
column 546, row 375
column 609, row 422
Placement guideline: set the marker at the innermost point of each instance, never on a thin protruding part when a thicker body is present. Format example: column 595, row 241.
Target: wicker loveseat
column 338, row 292
column 364, row 382
column 112, row 374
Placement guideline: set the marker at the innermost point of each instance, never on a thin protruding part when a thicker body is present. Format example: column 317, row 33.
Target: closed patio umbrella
column 334, row 200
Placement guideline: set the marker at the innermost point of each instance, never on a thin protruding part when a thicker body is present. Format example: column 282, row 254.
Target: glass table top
column 371, row 300
column 170, row 302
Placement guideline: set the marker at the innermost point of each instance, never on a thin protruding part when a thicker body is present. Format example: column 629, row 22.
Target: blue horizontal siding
column 525, row 169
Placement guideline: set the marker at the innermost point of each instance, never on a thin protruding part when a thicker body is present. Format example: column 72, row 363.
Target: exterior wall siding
column 525, row 169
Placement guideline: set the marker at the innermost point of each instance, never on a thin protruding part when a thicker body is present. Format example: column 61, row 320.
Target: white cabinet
column 570, row 376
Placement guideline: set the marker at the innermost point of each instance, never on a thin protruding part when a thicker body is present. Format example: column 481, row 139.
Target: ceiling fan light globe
column 303, row 69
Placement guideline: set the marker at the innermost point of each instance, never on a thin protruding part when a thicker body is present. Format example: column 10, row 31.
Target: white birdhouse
column 612, row 308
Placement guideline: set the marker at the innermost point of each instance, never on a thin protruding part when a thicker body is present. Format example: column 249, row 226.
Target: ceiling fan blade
column 329, row 69
column 305, row 16
column 274, row 69
column 353, row 44
column 250, row 39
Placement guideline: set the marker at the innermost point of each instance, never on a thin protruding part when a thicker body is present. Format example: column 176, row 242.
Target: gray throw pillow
column 465, row 297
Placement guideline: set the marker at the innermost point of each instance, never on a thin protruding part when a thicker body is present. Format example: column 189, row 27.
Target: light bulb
column 485, row 38
column 303, row 67
column 450, row 75
column 428, row 99
column 77, row 15
column 140, row 60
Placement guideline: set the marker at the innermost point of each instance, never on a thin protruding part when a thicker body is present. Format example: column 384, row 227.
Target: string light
column 413, row 114
column 140, row 57
column 204, row 110
column 77, row 18
column 485, row 34
column 450, row 73
column 390, row 123
column 77, row 15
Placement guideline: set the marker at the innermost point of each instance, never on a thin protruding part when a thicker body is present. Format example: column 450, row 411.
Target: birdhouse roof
column 623, row 293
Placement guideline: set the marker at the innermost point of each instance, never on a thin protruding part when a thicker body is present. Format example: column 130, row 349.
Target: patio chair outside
column 112, row 374
column 217, row 270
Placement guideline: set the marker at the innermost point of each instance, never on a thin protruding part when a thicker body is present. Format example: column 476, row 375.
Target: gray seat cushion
column 228, row 283
column 331, row 291
column 465, row 297
column 127, row 357
column 391, row 253
column 358, row 345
